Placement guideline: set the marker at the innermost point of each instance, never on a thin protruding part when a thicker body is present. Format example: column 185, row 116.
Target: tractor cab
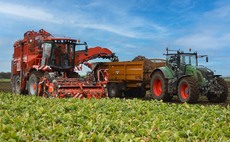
column 59, row 53
column 180, row 61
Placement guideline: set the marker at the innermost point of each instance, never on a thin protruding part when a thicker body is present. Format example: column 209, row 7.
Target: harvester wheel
column 221, row 97
column 33, row 83
column 159, row 87
column 16, row 85
column 114, row 90
column 13, row 84
column 188, row 90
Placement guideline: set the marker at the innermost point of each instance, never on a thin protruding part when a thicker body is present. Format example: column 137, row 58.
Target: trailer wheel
column 220, row 98
column 33, row 83
column 141, row 92
column 188, row 90
column 138, row 92
column 159, row 87
column 114, row 90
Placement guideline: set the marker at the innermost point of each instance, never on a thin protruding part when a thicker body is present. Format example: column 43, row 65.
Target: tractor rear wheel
column 214, row 98
column 188, row 90
column 33, row 83
column 114, row 90
column 159, row 87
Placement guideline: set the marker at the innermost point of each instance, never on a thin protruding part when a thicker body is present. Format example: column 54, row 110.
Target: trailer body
column 129, row 77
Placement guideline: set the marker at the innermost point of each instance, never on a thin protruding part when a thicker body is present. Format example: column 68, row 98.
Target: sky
column 127, row 27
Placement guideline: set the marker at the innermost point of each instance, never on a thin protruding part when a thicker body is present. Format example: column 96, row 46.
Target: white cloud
column 204, row 41
column 221, row 12
column 26, row 12
column 210, row 31
column 119, row 23
column 209, row 34
column 132, row 27
column 117, row 19
column 180, row 6
column 109, row 28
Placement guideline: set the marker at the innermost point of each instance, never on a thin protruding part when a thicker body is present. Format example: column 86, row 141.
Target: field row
column 26, row 118
column 6, row 87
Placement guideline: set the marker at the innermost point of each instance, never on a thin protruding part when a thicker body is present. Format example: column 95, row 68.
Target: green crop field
column 4, row 80
column 26, row 118
column 227, row 79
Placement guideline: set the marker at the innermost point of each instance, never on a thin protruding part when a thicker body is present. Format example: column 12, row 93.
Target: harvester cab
column 183, row 76
column 59, row 54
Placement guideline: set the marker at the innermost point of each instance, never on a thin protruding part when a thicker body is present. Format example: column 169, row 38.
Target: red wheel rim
column 34, row 86
column 157, row 87
column 184, row 91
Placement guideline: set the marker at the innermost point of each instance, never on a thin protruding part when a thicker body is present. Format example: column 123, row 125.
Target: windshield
column 46, row 53
column 188, row 59
column 62, row 55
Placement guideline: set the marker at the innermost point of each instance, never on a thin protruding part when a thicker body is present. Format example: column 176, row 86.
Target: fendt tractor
column 182, row 76
column 45, row 65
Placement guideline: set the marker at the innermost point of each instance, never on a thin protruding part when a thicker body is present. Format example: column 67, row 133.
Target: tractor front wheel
column 220, row 98
column 159, row 87
column 188, row 90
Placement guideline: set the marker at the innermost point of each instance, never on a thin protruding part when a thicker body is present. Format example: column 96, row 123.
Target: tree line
column 5, row 75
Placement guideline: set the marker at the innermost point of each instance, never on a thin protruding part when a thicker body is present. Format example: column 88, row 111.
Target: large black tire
column 17, row 82
column 114, row 90
column 33, row 83
column 214, row 98
column 188, row 90
column 141, row 92
column 13, row 84
column 16, row 85
column 159, row 87
column 138, row 92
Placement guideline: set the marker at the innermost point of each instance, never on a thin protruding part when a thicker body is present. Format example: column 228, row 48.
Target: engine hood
column 206, row 72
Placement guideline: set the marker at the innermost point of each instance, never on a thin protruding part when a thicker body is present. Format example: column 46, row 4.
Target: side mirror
column 86, row 48
column 206, row 58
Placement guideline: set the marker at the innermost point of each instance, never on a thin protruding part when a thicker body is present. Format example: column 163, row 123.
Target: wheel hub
column 184, row 91
column 157, row 87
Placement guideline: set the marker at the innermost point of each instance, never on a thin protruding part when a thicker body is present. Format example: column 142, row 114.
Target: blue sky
column 127, row 27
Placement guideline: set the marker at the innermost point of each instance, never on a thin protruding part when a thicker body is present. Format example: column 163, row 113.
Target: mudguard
column 166, row 71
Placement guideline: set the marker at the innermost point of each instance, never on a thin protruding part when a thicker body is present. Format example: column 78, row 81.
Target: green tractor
column 183, row 77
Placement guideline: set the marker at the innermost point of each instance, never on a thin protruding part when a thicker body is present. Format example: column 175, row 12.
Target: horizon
column 128, row 28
